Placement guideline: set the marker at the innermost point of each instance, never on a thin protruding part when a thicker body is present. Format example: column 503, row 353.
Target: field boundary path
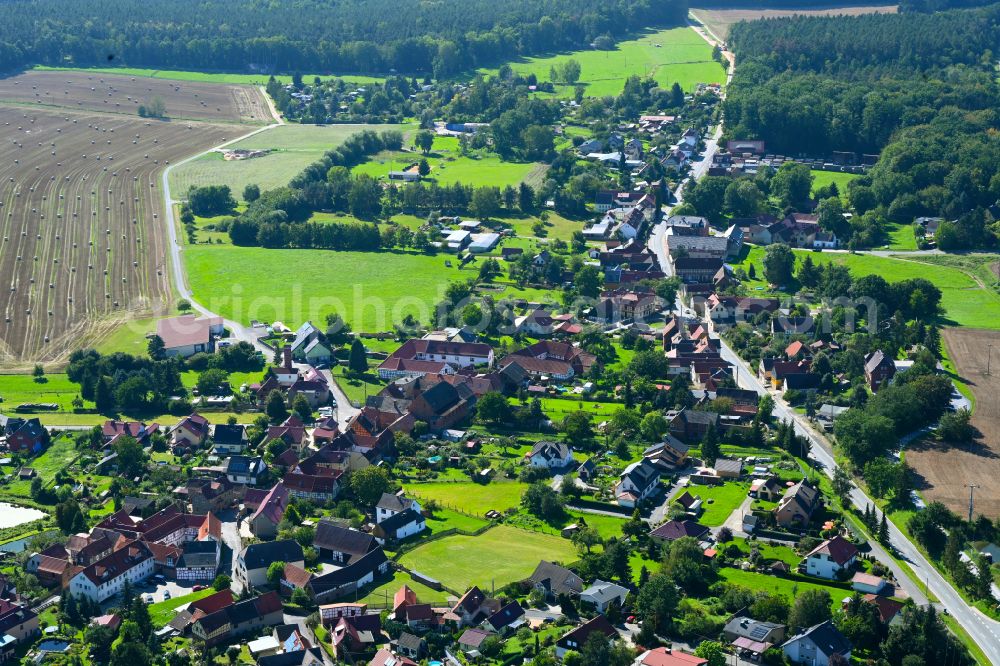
column 345, row 409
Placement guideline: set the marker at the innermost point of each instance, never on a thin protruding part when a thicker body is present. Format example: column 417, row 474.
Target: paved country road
column 985, row 632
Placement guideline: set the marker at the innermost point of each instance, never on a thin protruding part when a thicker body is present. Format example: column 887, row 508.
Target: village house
column 816, row 645
column 358, row 573
column 253, row 561
column 602, row 595
column 341, row 545
column 190, row 433
column 24, row 435
column 768, row 489
column 18, row 621
column 310, row 346
column 355, row 636
column 189, row 334
column 399, row 526
column 140, row 432
column 576, row 638
column 677, row 529
column 229, row 440
column 132, row 563
column 796, row 507
column 626, row 305
column 265, row 520
column 662, row 656
column 691, row 504
column 879, row 369
column 436, row 352
column 550, row 455
column 691, row 425
column 637, row 482
column 554, row 580
column 556, row 360
column 238, row 619
column 669, row 455
column 832, row 558
column 755, row 630
column 199, row 561
column 244, row 469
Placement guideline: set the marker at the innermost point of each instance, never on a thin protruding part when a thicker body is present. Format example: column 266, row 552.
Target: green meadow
column 676, row 55
column 966, row 301
column 449, row 166
column 371, row 290
column 292, row 148
column 497, row 557
column 824, row 178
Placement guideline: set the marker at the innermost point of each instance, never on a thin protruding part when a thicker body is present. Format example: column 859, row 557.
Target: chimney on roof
column 286, row 355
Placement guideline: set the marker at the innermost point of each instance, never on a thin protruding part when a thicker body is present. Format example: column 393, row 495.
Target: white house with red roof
column 131, row 563
column 831, row 557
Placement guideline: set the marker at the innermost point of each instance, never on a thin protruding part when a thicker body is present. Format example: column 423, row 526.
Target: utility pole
column 989, row 353
column 972, row 489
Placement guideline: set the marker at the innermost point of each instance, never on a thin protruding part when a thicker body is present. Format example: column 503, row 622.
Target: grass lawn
column 359, row 388
column 293, row 148
column 448, row 167
column 719, row 501
column 789, row 587
column 381, row 595
column 204, row 77
column 901, row 238
column 59, row 454
column 675, row 55
column 163, row 611
column 966, row 303
column 474, row 498
column 129, row 338
column 824, row 178
column 446, row 519
column 236, row 379
column 371, row 290
column 497, row 557
column 606, row 526
column 56, row 388
column 558, row 408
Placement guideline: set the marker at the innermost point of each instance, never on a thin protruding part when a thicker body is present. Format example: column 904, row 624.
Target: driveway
column 232, row 545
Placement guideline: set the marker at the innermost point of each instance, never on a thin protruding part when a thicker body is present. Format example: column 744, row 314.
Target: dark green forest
column 315, row 36
column 919, row 89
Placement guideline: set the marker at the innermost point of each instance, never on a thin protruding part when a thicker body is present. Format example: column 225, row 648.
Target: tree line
column 368, row 36
column 920, row 89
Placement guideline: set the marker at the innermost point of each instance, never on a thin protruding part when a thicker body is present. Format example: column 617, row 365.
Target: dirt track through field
column 82, row 241
column 111, row 93
column 946, row 469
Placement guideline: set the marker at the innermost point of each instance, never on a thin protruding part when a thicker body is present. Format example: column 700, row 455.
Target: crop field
column 945, row 468
column 292, row 148
column 676, row 55
column 111, row 93
column 205, row 77
column 720, row 20
column 497, row 557
column 83, row 246
column 370, row 290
